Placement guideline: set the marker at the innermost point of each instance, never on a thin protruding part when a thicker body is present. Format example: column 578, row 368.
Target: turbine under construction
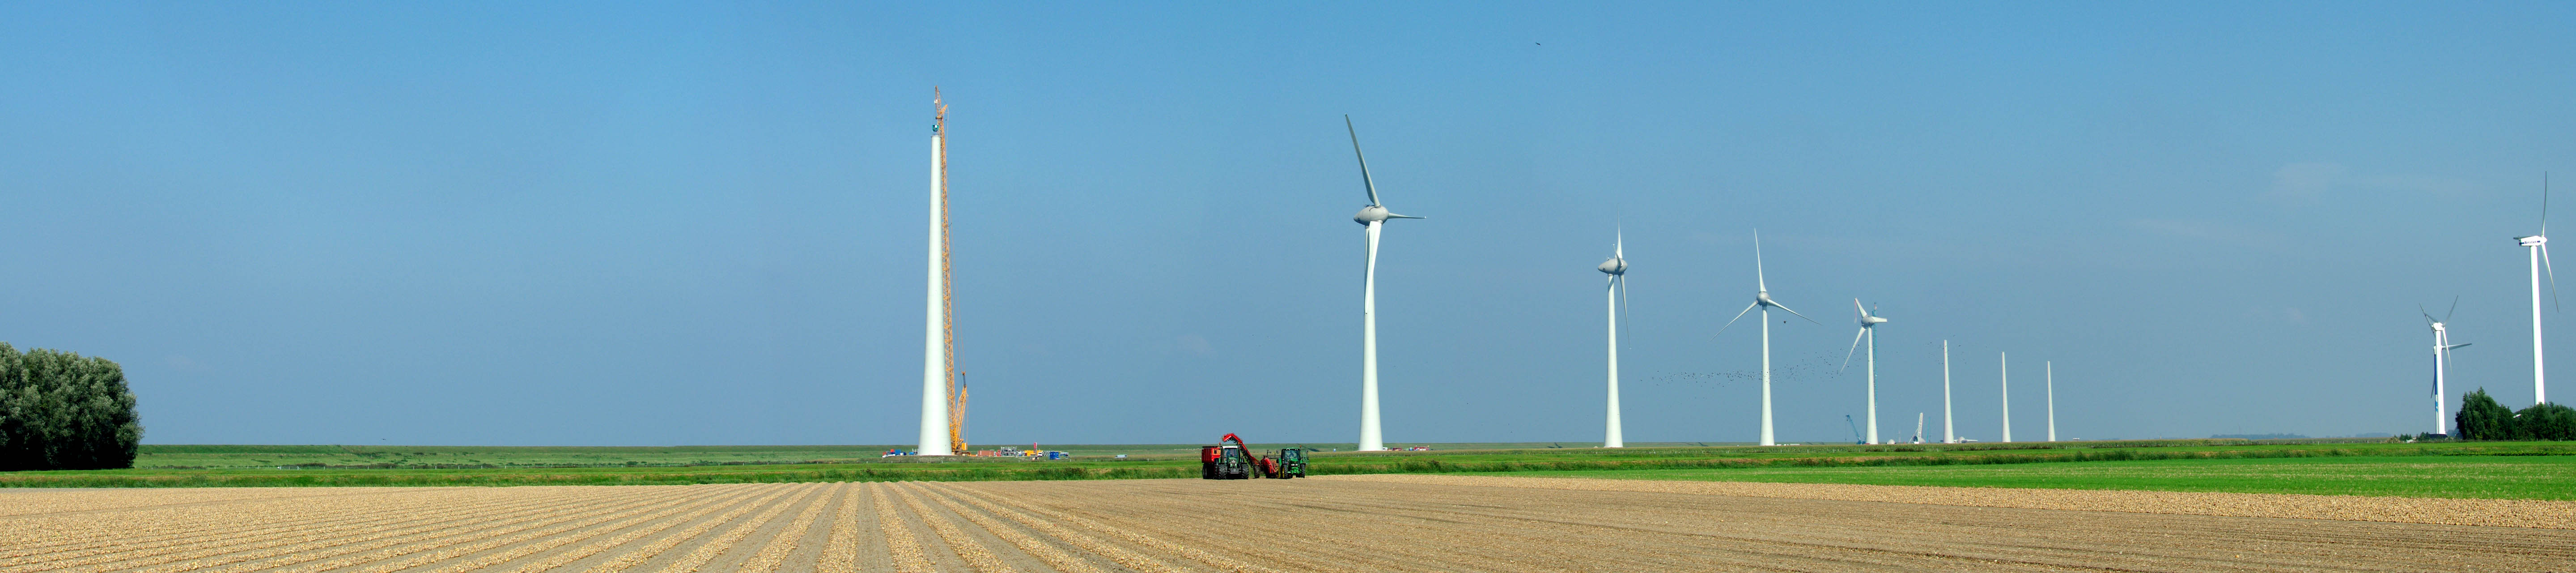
column 943, row 403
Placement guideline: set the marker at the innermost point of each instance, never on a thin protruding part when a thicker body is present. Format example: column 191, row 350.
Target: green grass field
column 2520, row 470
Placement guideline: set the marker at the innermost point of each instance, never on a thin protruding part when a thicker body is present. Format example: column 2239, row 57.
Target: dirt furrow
column 134, row 526
column 642, row 528
column 1168, row 547
column 646, row 521
column 902, row 543
column 841, row 547
column 639, row 555
column 148, row 554
column 1049, row 553
column 773, row 555
column 520, row 532
column 1121, row 555
column 657, row 503
column 724, row 542
column 349, row 539
column 966, row 547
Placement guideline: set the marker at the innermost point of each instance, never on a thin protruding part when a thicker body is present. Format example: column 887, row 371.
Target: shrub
column 63, row 411
column 2545, row 421
column 2481, row 418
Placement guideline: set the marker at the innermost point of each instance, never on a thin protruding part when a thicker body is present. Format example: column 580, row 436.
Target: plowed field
column 1345, row 523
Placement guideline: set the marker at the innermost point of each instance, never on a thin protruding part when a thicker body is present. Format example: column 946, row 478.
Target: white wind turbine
column 2539, row 245
column 1762, row 300
column 1373, row 216
column 1868, row 330
column 2441, row 358
column 1949, row 435
column 1617, row 289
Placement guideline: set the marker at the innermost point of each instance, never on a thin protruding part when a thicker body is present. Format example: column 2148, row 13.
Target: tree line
column 63, row 411
column 2481, row 418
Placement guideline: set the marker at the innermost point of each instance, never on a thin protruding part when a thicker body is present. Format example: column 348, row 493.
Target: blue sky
column 702, row 224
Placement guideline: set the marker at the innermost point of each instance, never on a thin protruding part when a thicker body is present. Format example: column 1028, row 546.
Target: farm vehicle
column 1230, row 459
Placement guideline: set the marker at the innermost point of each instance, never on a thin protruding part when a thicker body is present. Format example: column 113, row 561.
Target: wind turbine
column 2051, row 368
column 2005, row 373
column 1762, row 300
column 2441, row 357
column 1373, row 216
column 1869, row 330
column 1617, row 289
column 938, row 361
column 1947, row 435
column 2539, row 245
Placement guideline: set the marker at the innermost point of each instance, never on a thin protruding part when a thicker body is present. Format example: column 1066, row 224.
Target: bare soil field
column 1340, row 523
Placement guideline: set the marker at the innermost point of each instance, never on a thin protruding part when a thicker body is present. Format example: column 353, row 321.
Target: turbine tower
column 1947, row 435
column 2539, row 246
column 1762, row 300
column 2006, row 360
column 2051, row 368
column 2441, row 357
column 1869, row 330
column 1373, row 216
column 1617, row 289
column 938, row 346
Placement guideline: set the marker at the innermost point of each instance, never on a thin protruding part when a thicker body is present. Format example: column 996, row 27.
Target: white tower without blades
column 2051, row 368
column 2441, row 359
column 2539, row 246
column 2006, row 360
column 1918, row 427
column 1948, row 435
column 1373, row 216
column 935, row 364
column 1617, row 287
column 1762, row 300
column 1869, row 330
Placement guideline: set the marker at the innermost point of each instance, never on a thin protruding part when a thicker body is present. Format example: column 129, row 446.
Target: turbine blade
column 1739, row 315
column 2553, row 275
column 2428, row 315
column 2455, row 307
column 1365, row 181
column 1395, row 216
column 2460, row 345
column 1795, row 313
column 1619, row 244
column 1862, row 313
column 2544, row 203
column 1759, row 284
column 1623, row 303
column 1847, row 354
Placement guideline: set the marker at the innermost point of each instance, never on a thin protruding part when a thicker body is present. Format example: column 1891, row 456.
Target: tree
column 2481, row 418
column 2545, row 421
column 60, row 410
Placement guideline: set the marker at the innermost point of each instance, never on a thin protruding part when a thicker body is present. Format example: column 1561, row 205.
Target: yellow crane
column 947, row 292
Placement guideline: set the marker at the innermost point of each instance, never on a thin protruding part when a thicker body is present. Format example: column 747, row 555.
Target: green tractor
column 1287, row 463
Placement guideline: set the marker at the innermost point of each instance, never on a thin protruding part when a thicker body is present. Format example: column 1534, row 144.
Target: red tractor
column 1230, row 460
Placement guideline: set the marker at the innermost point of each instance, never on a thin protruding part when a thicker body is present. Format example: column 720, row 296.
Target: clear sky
column 628, row 223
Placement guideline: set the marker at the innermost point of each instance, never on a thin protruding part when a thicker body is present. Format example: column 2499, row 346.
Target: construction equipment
column 1855, row 430
column 1285, row 463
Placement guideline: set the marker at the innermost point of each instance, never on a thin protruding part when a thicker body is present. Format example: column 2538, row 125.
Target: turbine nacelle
column 1376, row 214
column 1614, row 267
column 2532, row 241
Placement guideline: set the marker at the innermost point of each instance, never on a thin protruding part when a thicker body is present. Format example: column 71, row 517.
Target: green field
column 2520, row 470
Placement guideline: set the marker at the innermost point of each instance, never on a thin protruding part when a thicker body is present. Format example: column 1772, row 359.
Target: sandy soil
column 1341, row 523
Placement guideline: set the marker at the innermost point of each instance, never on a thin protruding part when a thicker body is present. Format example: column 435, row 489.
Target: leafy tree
column 2481, row 418
column 2545, row 421
column 60, row 410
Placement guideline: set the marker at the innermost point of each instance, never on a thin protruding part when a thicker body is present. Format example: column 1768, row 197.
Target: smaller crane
column 1855, row 429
